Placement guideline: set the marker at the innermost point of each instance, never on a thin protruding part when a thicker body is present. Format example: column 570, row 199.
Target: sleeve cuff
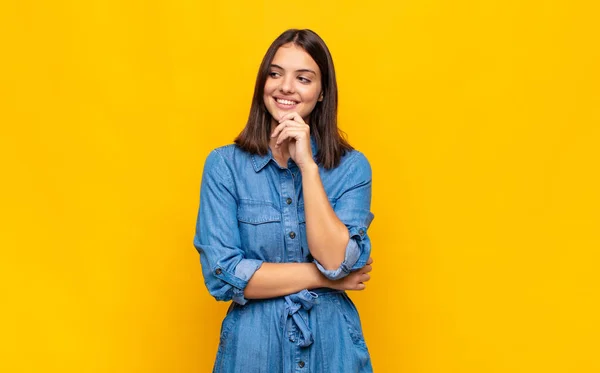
column 350, row 260
column 239, row 279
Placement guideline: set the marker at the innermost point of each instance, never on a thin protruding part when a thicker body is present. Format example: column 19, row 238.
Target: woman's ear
column 320, row 97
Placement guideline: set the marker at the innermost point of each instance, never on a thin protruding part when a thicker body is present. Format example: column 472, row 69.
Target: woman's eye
column 304, row 80
column 273, row 74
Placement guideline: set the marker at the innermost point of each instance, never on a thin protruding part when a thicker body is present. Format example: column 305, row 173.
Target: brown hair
column 331, row 145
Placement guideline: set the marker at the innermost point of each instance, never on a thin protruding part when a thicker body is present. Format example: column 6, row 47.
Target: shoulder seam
column 356, row 155
column 229, row 177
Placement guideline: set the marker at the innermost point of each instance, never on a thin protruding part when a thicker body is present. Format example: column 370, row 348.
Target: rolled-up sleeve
column 353, row 208
column 225, row 269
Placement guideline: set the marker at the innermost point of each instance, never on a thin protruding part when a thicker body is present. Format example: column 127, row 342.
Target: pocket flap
column 257, row 213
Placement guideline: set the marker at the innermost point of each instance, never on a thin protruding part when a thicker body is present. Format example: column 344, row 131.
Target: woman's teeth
column 286, row 102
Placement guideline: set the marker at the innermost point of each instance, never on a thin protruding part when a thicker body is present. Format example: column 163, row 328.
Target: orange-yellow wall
column 481, row 120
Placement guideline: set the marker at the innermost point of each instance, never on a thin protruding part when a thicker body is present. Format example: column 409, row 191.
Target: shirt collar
column 260, row 161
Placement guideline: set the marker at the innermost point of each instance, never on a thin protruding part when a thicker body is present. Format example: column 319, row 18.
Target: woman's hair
column 331, row 145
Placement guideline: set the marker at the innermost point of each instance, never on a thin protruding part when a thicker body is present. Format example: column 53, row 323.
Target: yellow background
column 481, row 120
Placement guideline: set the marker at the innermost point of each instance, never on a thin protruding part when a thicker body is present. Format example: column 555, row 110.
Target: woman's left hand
column 292, row 128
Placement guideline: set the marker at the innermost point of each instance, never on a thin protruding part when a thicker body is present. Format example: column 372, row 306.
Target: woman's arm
column 327, row 236
column 279, row 279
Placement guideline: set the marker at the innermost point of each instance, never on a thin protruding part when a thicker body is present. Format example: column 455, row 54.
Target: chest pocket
column 260, row 229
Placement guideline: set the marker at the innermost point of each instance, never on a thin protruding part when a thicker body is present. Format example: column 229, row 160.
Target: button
column 218, row 271
column 292, row 235
column 301, row 364
column 361, row 232
column 288, row 201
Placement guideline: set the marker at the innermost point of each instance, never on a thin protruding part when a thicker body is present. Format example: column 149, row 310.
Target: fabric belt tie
column 297, row 305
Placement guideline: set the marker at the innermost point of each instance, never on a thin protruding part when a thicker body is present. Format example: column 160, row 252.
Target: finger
column 294, row 116
column 289, row 133
column 361, row 286
column 370, row 261
column 291, row 123
column 286, row 124
column 283, row 135
column 283, row 143
column 278, row 129
column 365, row 277
column 366, row 269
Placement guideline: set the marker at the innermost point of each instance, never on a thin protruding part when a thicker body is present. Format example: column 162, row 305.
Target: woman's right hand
column 355, row 280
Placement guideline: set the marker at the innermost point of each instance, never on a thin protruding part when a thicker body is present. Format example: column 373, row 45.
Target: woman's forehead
column 292, row 57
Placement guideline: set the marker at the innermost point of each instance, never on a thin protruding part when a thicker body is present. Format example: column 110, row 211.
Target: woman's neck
column 281, row 153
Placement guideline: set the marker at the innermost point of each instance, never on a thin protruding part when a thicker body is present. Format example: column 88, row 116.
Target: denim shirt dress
column 252, row 211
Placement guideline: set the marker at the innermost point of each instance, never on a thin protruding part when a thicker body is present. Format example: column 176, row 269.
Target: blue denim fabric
column 252, row 211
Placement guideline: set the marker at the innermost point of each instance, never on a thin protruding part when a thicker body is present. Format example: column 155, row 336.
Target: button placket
column 290, row 216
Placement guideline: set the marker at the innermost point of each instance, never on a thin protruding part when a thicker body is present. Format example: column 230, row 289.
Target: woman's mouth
column 285, row 104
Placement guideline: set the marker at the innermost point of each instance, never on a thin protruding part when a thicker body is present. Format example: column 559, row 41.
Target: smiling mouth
column 286, row 102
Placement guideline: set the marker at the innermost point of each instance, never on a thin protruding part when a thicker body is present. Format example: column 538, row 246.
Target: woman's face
column 293, row 83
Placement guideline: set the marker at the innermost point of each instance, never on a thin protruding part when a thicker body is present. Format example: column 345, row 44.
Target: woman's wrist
column 318, row 280
column 310, row 166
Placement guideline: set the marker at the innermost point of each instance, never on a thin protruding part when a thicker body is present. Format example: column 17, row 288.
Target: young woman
column 282, row 225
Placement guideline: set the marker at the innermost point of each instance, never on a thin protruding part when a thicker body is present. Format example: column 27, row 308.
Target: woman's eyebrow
column 298, row 71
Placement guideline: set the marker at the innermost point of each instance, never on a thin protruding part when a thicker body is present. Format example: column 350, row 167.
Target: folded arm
column 337, row 237
column 228, row 275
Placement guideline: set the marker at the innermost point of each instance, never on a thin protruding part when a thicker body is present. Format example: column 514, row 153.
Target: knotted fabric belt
column 297, row 305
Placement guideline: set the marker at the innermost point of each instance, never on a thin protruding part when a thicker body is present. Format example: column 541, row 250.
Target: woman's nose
column 287, row 85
